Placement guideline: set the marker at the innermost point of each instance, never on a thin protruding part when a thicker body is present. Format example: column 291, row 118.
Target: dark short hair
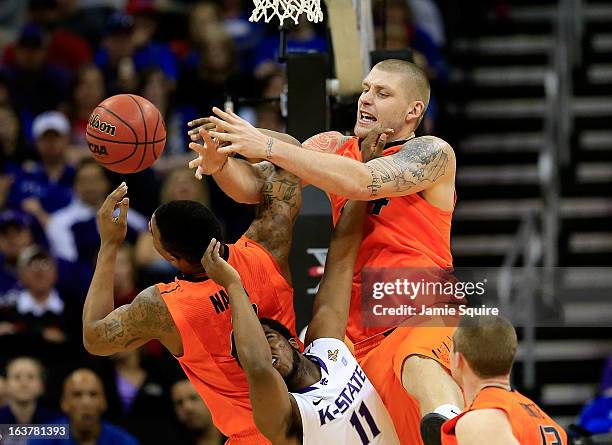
column 272, row 324
column 186, row 228
column 278, row 327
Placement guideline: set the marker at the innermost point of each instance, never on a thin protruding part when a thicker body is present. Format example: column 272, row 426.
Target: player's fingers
column 380, row 146
column 198, row 148
column 197, row 122
column 124, row 205
column 113, row 198
column 225, row 137
column 210, row 144
column 194, row 163
column 208, row 253
column 228, row 150
column 198, row 173
column 225, row 116
column 222, row 125
column 215, row 253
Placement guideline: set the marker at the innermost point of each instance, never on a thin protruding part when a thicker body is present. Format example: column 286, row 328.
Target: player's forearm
column 251, row 344
column 100, row 299
column 239, row 180
column 335, row 287
column 329, row 172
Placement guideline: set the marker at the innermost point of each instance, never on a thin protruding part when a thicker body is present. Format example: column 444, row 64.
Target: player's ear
column 293, row 342
column 415, row 111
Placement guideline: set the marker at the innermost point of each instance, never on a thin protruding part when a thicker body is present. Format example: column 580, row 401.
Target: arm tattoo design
column 328, row 142
column 420, row 160
column 269, row 145
column 147, row 317
column 277, row 212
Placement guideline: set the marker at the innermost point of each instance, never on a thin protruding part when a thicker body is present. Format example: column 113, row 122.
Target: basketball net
column 286, row 9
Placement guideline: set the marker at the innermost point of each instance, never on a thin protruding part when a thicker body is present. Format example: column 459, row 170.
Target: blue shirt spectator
column 46, row 186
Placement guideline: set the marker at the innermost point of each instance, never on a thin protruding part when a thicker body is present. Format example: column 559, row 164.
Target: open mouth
column 366, row 118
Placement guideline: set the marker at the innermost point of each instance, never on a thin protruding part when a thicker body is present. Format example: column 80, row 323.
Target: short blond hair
column 488, row 343
column 417, row 83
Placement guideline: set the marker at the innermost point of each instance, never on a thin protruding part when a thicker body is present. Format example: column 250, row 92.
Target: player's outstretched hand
column 243, row 138
column 374, row 143
column 209, row 160
column 113, row 228
column 217, row 268
column 201, row 123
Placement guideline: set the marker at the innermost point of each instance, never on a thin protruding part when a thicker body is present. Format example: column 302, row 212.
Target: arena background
column 521, row 89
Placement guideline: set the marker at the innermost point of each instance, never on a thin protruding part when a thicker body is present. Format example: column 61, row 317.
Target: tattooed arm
column 107, row 330
column 422, row 164
column 130, row 326
column 280, row 202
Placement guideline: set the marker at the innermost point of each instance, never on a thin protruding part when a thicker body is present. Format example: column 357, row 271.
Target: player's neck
column 472, row 387
column 401, row 136
column 307, row 374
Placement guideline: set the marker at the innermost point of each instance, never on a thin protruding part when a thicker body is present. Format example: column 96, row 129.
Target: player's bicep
column 421, row 163
column 490, row 426
column 129, row 326
column 271, row 402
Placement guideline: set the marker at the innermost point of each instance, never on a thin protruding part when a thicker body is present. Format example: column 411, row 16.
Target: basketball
column 126, row 133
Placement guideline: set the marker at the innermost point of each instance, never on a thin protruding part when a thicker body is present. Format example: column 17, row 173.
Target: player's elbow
column 93, row 345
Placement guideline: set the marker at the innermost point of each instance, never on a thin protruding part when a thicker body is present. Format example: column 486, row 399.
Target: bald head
column 83, row 399
column 415, row 79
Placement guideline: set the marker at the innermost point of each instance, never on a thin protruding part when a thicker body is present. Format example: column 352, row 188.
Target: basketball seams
column 123, row 142
column 144, row 124
column 154, row 133
column 124, row 122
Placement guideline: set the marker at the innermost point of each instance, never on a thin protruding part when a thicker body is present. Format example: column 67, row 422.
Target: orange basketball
column 126, row 133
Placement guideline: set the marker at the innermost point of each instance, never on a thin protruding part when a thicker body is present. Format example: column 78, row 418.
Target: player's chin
column 361, row 130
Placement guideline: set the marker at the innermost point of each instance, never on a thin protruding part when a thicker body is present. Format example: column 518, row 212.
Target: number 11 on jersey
column 356, row 422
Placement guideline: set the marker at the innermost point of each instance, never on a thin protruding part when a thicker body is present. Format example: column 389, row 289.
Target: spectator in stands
column 138, row 396
column 84, row 402
column 216, row 77
column 24, row 386
column 194, row 415
column 150, row 53
column 72, row 231
column 34, row 85
column 179, row 184
column 158, row 88
column 89, row 91
column 11, row 146
column 302, row 38
column 41, row 316
column 67, row 49
column 44, row 187
column 596, row 416
column 115, row 56
column 247, row 36
column 15, row 235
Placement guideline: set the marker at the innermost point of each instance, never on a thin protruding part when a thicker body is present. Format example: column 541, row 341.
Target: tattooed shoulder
column 328, row 142
column 421, row 160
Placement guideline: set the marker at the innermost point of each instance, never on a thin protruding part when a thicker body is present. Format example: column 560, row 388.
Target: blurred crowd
column 58, row 60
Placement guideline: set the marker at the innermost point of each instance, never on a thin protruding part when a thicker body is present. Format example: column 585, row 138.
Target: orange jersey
column 405, row 231
column 530, row 425
column 202, row 315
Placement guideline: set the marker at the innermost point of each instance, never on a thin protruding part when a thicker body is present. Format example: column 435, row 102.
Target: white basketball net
column 286, row 9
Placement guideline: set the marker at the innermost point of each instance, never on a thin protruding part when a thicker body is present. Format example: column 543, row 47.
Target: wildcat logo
column 332, row 355
column 104, row 127
column 99, row 150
